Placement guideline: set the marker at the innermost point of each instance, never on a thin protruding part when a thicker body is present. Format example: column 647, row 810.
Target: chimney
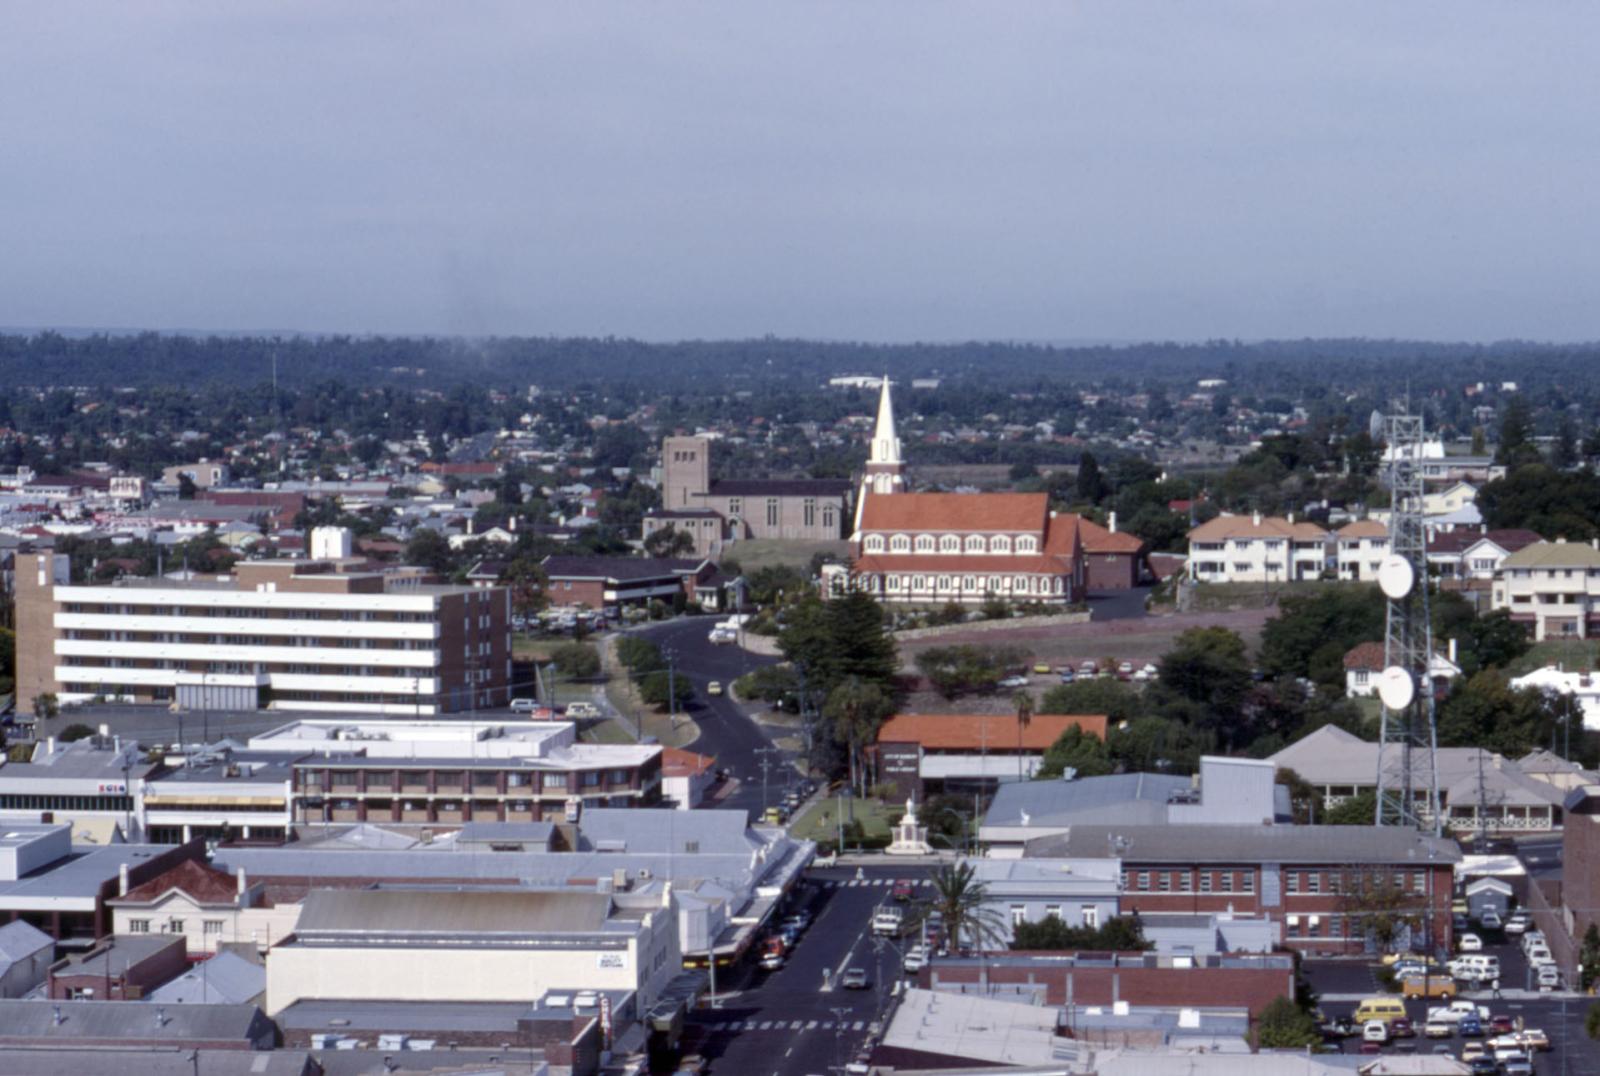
column 1255, row 518
column 50, row 745
column 243, row 885
column 1291, row 517
column 1452, row 651
column 470, row 523
column 122, row 880
column 1111, row 522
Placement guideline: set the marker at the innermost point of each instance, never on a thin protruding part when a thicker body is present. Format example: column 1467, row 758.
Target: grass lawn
column 1575, row 655
column 1215, row 597
column 764, row 552
column 821, row 822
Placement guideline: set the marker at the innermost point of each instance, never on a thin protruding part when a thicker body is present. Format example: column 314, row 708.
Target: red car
column 1400, row 1028
column 1501, row 1024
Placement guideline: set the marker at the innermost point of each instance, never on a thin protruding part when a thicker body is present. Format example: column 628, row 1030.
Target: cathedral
column 936, row 548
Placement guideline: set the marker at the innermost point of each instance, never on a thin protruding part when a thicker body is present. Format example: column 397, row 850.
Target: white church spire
column 885, row 444
column 884, row 465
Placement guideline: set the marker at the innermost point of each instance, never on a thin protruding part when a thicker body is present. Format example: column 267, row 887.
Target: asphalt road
column 725, row 730
column 792, row 1022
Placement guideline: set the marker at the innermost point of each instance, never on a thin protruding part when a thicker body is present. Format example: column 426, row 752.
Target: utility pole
column 766, row 765
column 672, row 694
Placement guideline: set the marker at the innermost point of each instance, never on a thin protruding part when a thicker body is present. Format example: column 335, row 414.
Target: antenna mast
column 1408, row 781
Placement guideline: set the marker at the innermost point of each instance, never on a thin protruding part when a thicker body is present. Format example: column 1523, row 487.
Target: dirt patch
column 1139, row 641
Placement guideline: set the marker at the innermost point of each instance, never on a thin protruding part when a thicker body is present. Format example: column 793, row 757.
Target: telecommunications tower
column 1408, row 781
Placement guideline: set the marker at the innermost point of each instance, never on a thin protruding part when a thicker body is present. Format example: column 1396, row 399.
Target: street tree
column 962, row 898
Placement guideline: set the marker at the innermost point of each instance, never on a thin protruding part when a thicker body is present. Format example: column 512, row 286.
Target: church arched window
column 975, row 543
column 1027, row 544
column 899, row 544
column 924, row 543
column 1000, row 544
column 874, row 543
column 949, row 544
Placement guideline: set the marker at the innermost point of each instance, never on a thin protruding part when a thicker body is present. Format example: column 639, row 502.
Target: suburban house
column 1363, row 664
column 1553, row 588
column 1256, row 549
column 1361, row 547
column 1474, row 556
column 1472, row 782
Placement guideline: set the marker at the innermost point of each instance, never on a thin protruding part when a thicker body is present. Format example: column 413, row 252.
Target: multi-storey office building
column 408, row 771
column 275, row 635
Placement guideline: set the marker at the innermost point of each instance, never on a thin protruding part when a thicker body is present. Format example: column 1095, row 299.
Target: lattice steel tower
column 1408, row 783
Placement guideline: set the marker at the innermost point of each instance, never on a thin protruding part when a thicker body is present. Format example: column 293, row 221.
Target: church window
column 894, row 582
column 944, row 582
column 810, row 510
column 1027, row 544
column 924, row 543
column 999, row 544
column 949, row 544
column 874, row 543
column 736, row 506
column 974, row 543
column 916, row 582
column 772, row 511
column 827, row 517
column 968, row 583
column 899, row 544
column 1022, row 582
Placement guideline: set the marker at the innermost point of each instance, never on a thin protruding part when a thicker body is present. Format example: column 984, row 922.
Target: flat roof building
column 280, row 635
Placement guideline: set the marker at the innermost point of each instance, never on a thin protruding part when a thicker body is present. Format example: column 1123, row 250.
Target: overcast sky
column 886, row 171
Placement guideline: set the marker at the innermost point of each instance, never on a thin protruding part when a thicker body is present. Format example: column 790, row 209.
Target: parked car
column 1088, row 668
column 1065, row 674
column 1125, row 671
column 1041, row 668
column 1490, row 918
column 1501, row 1024
column 1401, row 1028
column 1375, row 1031
column 582, row 709
column 1470, row 1027
column 1439, row 1029
column 1339, row 1028
column 855, row 979
column 1470, row 943
column 1518, row 924
column 772, row 962
column 1013, row 682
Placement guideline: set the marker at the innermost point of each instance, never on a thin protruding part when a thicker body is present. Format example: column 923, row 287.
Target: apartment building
column 1256, row 549
column 409, row 771
column 276, row 635
column 1553, row 588
column 1361, row 547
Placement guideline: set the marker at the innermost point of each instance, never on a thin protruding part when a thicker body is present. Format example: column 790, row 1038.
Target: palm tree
column 962, row 899
column 1024, row 704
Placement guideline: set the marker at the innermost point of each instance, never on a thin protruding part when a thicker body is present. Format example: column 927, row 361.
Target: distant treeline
column 1381, row 366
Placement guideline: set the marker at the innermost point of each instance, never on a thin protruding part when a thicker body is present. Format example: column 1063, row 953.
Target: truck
column 888, row 919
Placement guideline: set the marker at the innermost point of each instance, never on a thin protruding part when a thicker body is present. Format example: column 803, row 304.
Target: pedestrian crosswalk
column 731, row 1026
column 881, row 883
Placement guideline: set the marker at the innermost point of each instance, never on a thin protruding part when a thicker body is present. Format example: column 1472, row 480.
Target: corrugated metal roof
column 428, row 912
column 1248, row 844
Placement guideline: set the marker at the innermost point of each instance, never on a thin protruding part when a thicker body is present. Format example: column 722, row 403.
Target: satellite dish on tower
column 1375, row 425
column 1396, row 688
column 1396, row 577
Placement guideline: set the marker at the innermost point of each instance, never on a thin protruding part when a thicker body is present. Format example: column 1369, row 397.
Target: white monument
column 910, row 839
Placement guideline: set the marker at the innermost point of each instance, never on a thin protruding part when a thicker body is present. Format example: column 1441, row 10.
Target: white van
column 1549, row 977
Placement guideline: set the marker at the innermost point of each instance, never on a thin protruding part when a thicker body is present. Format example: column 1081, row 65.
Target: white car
column 1470, row 943
column 1490, row 918
column 582, row 709
column 1375, row 1031
column 1518, row 924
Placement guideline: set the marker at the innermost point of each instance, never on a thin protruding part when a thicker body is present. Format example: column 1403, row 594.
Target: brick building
column 1319, row 882
column 718, row 512
column 122, row 967
column 1580, row 858
column 606, row 582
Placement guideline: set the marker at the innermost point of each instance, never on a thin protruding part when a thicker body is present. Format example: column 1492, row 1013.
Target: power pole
column 766, row 765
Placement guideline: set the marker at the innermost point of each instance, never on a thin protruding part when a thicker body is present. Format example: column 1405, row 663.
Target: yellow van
column 1384, row 1009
